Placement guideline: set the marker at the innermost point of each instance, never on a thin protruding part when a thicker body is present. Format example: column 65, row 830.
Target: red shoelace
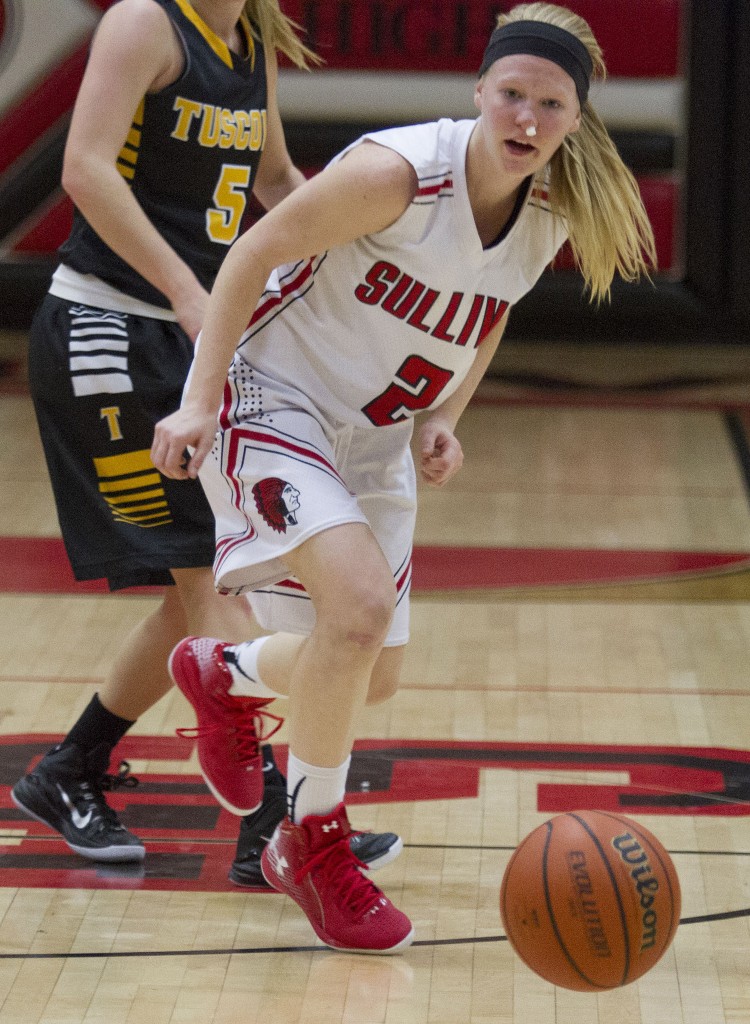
column 342, row 870
column 247, row 722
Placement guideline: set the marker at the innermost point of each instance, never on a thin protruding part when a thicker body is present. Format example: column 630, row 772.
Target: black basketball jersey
column 190, row 158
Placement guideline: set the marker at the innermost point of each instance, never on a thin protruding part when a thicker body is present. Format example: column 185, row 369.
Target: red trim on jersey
column 401, row 581
column 273, row 441
column 431, row 190
column 291, row 585
column 227, row 545
column 275, row 300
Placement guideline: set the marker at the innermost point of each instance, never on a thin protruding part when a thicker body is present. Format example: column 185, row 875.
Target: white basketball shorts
column 276, row 480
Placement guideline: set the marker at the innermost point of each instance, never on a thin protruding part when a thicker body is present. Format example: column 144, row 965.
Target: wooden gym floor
column 581, row 638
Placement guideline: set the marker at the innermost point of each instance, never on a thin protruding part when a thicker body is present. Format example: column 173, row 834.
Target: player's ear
column 478, row 93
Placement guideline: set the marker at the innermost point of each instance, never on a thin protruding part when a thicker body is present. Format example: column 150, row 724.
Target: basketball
column 590, row 900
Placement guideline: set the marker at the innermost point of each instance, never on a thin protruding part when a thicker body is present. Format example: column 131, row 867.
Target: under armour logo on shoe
column 329, row 828
column 382, row 902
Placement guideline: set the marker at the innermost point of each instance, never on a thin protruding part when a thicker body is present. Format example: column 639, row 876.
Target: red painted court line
column 39, row 565
column 465, row 568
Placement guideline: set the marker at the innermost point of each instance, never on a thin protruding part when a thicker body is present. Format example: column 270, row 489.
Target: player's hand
column 182, row 441
column 440, row 453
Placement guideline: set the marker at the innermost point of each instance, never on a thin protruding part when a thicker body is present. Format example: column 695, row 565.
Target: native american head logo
column 277, row 501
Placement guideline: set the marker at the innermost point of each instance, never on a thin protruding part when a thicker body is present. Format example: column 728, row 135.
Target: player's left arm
column 440, row 452
column 277, row 175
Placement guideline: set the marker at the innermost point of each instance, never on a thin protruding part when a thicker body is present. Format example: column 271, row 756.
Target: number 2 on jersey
column 230, row 195
column 417, row 384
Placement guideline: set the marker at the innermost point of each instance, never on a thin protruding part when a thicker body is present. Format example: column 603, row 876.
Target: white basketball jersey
column 387, row 326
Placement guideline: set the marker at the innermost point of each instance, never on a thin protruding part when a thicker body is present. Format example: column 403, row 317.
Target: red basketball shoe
column 313, row 863
column 228, row 729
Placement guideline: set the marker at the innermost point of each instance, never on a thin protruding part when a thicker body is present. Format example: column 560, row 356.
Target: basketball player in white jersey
column 378, row 290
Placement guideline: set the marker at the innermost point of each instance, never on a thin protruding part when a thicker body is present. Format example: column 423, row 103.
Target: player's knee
column 366, row 624
column 362, row 616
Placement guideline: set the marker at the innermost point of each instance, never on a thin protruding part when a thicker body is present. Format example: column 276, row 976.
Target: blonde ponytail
column 279, row 31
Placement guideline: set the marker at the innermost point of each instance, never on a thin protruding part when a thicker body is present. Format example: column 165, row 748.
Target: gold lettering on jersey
column 258, row 133
column 228, row 132
column 209, row 131
column 214, row 126
column 186, row 111
column 244, row 128
column 112, row 415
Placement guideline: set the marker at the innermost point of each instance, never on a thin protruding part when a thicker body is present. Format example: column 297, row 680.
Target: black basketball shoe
column 375, row 849
column 66, row 792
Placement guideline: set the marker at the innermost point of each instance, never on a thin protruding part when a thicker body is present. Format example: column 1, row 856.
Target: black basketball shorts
column 100, row 380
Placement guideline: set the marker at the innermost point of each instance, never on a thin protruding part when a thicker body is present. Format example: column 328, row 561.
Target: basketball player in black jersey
column 175, row 125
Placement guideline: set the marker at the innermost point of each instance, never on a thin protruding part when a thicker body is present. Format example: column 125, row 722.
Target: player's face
column 528, row 105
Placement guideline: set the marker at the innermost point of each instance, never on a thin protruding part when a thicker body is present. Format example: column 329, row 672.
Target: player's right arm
column 134, row 51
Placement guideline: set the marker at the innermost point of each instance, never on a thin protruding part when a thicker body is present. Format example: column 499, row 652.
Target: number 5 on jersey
column 230, row 195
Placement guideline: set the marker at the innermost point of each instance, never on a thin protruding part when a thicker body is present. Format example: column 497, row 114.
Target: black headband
column 540, row 39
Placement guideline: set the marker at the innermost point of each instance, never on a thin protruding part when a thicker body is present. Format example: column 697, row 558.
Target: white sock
column 314, row 790
column 242, row 662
